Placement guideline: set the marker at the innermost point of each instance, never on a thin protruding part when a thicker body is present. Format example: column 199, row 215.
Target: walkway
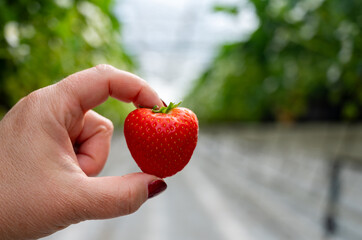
column 267, row 183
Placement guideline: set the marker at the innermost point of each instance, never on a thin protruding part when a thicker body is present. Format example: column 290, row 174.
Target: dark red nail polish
column 156, row 187
column 164, row 103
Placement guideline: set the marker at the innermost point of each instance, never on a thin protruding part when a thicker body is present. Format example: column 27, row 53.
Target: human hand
column 46, row 185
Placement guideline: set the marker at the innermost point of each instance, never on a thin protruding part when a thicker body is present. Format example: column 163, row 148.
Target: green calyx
column 165, row 109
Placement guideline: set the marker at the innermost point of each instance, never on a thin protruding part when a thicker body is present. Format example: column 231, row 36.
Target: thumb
column 109, row 197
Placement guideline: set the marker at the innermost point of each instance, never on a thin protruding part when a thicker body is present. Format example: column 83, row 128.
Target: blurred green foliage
column 303, row 63
column 42, row 42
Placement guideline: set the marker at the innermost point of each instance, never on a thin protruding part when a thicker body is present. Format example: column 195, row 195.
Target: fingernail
column 164, row 104
column 155, row 188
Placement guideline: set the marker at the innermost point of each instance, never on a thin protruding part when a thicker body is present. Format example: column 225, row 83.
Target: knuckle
column 105, row 126
column 69, row 205
column 68, row 85
column 33, row 97
column 30, row 105
column 108, row 124
column 103, row 67
column 129, row 203
column 32, row 111
column 143, row 84
column 78, row 202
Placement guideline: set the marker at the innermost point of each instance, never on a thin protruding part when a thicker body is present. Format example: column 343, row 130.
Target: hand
column 45, row 185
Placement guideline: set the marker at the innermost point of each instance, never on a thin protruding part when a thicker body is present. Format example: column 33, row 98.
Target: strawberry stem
column 165, row 109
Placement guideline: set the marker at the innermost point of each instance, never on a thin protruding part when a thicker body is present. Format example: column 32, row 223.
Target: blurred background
column 276, row 85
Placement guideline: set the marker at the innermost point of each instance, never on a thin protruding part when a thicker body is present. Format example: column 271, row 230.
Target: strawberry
column 161, row 141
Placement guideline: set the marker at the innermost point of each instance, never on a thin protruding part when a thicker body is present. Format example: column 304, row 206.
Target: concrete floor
column 267, row 182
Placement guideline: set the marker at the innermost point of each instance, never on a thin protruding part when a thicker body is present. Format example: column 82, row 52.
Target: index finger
column 91, row 87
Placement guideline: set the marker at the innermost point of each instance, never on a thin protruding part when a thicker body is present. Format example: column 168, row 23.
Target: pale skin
column 45, row 185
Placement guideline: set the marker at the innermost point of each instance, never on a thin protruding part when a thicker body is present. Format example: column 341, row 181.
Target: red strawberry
column 161, row 141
